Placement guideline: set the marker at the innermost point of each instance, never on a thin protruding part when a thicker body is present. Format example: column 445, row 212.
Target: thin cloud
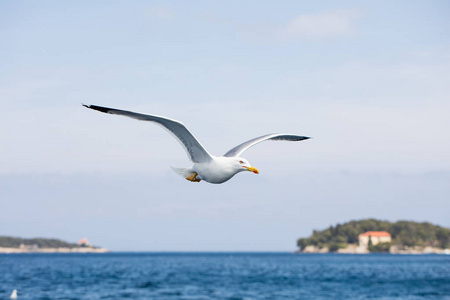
column 323, row 25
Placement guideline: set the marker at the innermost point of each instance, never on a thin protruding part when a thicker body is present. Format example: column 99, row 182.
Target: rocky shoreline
column 355, row 249
column 6, row 250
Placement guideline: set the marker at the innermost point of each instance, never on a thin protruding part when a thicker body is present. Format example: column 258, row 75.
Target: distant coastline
column 7, row 250
column 355, row 249
column 45, row 245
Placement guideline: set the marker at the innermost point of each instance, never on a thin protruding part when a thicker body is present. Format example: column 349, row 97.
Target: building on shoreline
column 373, row 237
column 84, row 243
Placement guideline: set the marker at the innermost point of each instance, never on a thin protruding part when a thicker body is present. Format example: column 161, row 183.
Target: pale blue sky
column 370, row 81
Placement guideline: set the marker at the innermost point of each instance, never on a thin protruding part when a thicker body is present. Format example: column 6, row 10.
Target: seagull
column 207, row 167
column 13, row 294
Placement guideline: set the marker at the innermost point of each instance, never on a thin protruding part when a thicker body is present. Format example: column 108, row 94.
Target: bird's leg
column 193, row 178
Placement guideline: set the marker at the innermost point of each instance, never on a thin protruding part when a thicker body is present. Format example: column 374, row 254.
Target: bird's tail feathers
column 184, row 172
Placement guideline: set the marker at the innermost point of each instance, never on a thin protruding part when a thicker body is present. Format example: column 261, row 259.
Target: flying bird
column 207, row 167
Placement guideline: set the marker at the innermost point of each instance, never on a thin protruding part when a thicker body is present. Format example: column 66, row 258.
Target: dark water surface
column 230, row 276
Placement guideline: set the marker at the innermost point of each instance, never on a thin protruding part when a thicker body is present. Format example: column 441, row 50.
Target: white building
column 375, row 237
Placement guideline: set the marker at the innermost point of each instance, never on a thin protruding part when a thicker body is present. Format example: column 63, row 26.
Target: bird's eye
column 241, row 162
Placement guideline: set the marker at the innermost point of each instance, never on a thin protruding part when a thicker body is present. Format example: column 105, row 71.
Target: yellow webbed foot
column 193, row 178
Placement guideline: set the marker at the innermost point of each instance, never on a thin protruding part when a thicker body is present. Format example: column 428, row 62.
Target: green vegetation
column 13, row 242
column 380, row 247
column 404, row 233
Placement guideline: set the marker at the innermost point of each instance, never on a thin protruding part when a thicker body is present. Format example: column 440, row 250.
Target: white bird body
column 13, row 294
column 207, row 167
column 220, row 169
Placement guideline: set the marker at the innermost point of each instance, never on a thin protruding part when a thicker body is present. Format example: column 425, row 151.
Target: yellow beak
column 254, row 170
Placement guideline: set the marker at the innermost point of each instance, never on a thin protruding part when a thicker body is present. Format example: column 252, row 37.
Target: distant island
column 371, row 235
column 43, row 245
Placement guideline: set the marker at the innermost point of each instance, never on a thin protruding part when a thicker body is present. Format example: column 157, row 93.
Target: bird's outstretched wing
column 237, row 151
column 196, row 152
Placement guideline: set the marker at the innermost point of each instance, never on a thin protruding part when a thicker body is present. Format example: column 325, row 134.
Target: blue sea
column 231, row 276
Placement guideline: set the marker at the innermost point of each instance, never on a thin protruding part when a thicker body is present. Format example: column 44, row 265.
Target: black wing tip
column 290, row 137
column 99, row 108
column 300, row 138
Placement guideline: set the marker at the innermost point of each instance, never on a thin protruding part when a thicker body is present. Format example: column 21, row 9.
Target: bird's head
column 242, row 164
